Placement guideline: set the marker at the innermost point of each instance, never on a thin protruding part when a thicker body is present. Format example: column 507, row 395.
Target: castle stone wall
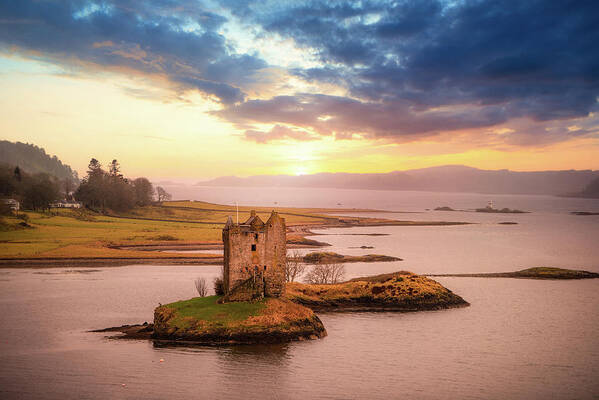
column 255, row 254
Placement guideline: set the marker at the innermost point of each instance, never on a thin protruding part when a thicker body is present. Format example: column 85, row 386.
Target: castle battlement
column 255, row 253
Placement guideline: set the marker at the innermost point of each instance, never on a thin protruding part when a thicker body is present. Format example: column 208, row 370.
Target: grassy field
column 63, row 233
column 206, row 212
column 263, row 210
column 76, row 234
column 69, row 233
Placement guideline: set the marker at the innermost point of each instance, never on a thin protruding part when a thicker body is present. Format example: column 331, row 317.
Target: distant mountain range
column 450, row 178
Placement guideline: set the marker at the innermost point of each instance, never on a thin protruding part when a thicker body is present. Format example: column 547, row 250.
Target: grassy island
column 533, row 273
column 328, row 257
column 203, row 320
column 398, row 291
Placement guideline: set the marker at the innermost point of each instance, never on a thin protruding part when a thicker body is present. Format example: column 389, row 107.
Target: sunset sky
column 188, row 90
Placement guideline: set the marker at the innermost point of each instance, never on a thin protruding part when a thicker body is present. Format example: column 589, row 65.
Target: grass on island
column 331, row 257
column 207, row 309
column 533, row 273
column 205, row 316
column 554, row 273
column 399, row 289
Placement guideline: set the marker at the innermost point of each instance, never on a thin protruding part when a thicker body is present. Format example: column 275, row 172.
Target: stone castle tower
column 255, row 254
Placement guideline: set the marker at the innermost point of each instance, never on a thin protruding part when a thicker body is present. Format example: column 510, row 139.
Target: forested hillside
column 33, row 160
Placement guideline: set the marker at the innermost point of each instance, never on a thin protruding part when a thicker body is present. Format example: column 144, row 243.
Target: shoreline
column 296, row 238
column 104, row 262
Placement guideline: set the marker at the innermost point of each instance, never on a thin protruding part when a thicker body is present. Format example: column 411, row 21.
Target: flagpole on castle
column 237, row 209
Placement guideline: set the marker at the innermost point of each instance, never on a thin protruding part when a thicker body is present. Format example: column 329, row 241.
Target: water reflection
column 519, row 339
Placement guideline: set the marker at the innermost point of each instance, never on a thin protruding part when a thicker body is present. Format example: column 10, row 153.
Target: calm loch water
column 519, row 339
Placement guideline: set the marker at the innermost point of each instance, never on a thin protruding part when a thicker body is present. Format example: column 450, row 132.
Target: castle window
column 253, row 247
column 256, row 236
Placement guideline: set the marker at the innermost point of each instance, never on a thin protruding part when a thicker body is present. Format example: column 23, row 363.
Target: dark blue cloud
column 536, row 59
column 147, row 37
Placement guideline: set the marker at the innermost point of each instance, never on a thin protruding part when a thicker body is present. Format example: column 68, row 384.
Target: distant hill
column 451, row 178
column 33, row 159
column 590, row 191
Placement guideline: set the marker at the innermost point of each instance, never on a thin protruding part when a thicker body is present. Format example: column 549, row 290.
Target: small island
column 398, row 291
column 206, row 320
column 532, row 273
column 330, row 257
column 488, row 209
column 501, row 211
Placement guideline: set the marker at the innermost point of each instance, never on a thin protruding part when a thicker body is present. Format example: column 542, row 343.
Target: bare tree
column 294, row 267
column 201, row 287
column 162, row 194
column 325, row 274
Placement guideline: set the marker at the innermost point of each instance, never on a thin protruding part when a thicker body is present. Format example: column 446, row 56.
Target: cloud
column 168, row 38
column 278, row 133
column 482, row 63
column 406, row 70
column 344, row 117
column 432, row 52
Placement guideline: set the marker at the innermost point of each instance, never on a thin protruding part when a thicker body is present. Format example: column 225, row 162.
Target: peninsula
column 170, row 232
